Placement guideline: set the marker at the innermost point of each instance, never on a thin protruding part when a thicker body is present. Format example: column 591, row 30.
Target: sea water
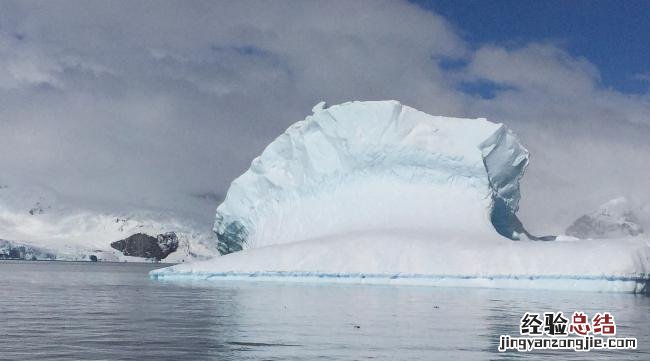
column 114, row 311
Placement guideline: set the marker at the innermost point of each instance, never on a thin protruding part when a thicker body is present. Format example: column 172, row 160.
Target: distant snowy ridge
column 377, row 192
column 615, row 218
column 40, row 218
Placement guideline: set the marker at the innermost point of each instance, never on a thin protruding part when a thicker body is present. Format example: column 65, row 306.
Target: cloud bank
column 136, row 102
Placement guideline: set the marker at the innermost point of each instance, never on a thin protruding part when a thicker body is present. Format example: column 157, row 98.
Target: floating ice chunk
column 378, row 192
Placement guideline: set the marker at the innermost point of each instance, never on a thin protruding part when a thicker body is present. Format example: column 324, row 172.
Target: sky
column 137, row 102
column 612, row 35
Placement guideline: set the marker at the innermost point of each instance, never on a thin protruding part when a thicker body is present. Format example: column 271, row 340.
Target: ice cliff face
column 376, row 166
column 614, row 218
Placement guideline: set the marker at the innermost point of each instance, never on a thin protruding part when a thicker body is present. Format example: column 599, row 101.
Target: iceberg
column 379, row 192
column 375, row 165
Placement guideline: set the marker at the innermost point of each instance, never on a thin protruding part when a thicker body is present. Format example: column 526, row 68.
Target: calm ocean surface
column 111, row 311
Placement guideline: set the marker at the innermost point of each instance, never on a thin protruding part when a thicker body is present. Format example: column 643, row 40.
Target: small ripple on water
column 260, row 344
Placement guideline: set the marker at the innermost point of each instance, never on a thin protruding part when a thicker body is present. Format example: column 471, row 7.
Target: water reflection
column 114, row 311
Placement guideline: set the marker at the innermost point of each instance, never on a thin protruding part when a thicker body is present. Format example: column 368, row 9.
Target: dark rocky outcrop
column 168, row 242
column 37, row 209
column 146, row 246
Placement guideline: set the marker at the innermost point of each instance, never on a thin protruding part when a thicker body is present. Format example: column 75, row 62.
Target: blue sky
column 613, row 35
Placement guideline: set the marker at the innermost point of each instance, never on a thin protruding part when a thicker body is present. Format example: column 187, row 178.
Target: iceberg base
column 408, row 258
column 539, row 282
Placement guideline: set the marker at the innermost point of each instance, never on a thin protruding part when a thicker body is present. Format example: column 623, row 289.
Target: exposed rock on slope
column 145, row 246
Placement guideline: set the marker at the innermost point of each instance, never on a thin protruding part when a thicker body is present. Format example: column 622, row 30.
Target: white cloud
column 146, row 98
column 588, row 142
column 642, row 76
column 24, row 67
column 541, row 68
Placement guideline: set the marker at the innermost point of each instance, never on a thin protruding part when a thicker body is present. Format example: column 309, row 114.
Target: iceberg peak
column 318, row 107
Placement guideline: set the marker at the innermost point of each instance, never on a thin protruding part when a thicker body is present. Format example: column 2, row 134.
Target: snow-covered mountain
column 40, row 218
column 615, row 218
column 378, row 192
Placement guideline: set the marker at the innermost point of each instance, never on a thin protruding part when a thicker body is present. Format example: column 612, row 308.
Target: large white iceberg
column 378, row 192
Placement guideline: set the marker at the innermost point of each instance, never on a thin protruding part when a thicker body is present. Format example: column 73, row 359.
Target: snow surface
column 377, row 192
column 403, row 257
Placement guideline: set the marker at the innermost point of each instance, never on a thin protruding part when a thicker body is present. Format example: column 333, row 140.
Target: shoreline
column 80, row 261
